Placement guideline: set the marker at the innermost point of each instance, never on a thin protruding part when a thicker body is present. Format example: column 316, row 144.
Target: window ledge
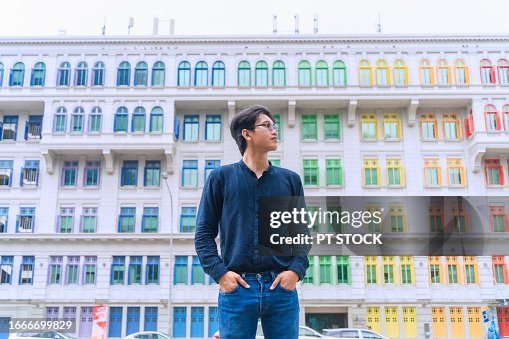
column 456, row 187
column 58, row 134
column 452, row 140
column 151, row 188
column 155, row 134
column 396, row 187
column 331, row 140
column 429, row 140
column 488, row 85
column 68, row 188
column 369, row 141
column 434, row 188
column 309, row 140
column 427, row 85
column 339, row 86
column 5, row 188
column 94, row 133
column 392, row 140
column 76, row 134
column 495, row 187
column 187, row 188
column 219, row 87
column 335, row 186
column 29, row 187
column 8, row 141
column 311, row 186
column 494, row 132
column 129, row 188
column 91, row 188
column 377, row 187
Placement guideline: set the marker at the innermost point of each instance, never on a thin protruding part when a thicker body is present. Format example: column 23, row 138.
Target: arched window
column 304, row 73
column 80, row 74
column 121, row 117
column 365, row 73
column 156, row 119
column 503, row 71
column 278, row 74
column 383, row 77
column 426, row 73
column 141, row 74
column 94, row 122
column 17, row 74
column 493, row 121
column 158, row 74
column 201, row 74
column 461, row 72
column 443, row 72
column 400, row 73
column 505, row 114
column 98, row 74
column 261, row 73
column 138, row 121
column 77, row 120
column 218, row 74
column 59, row 120
column 64, row 74
column 184, row 74
column 124, row 74
column 487, row 72
column 322, row 73
column 244, row 74
column 1, row 74
column 38, row 74
column 339, row 73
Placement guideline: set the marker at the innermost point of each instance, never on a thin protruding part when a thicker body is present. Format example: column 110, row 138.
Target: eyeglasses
column 268, row 125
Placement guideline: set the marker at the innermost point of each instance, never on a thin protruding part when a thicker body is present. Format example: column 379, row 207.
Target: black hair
column 246, row 119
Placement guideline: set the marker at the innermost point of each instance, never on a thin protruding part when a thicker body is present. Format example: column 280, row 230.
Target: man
column 252, row 286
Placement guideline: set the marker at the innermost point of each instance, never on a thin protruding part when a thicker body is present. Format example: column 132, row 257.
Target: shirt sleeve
column 207, row 226
column 300, row 262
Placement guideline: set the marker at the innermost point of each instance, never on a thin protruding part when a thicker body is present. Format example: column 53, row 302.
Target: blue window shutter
column 21, row 177
column 176, row 128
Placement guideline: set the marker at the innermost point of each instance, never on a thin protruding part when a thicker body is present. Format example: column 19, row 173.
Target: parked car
column 304, row 333
column 148, row 335
column 43, row 334
column 352, row 333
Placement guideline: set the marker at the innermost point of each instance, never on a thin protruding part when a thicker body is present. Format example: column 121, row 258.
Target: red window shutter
column 498, row 122
column 471, row 123
column 492, row 74
column 501, row 175
column 467, row 129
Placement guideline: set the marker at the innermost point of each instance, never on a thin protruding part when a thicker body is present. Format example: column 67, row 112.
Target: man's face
column 263, row 135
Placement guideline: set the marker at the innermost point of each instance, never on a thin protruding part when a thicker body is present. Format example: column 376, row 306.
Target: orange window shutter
column 501, row 175
column 492, row 74
column 506, row 277
column 471, row 123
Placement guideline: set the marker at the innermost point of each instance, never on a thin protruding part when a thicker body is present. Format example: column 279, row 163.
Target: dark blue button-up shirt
column 229, row 205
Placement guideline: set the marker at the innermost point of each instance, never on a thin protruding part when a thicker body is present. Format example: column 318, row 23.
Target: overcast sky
column 196, row 17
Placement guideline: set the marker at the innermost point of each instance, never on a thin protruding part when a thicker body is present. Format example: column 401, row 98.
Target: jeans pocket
column 235, row 290
column 284, row 289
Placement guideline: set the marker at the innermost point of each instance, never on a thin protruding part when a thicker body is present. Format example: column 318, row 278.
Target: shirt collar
column 248, row 170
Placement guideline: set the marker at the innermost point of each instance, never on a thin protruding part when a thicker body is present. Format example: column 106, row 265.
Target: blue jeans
column 240, row 309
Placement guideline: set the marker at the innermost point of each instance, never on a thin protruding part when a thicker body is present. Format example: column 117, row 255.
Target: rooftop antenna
column 131, row 24
column 379, row 25
column 274, row 24
column 296, row 16
column 104, row 27
column 315, row 24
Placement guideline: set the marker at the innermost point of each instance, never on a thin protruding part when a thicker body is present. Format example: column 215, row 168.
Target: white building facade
column 106, row 144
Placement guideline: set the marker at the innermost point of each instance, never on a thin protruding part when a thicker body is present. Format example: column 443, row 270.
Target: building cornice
column 254, row 39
